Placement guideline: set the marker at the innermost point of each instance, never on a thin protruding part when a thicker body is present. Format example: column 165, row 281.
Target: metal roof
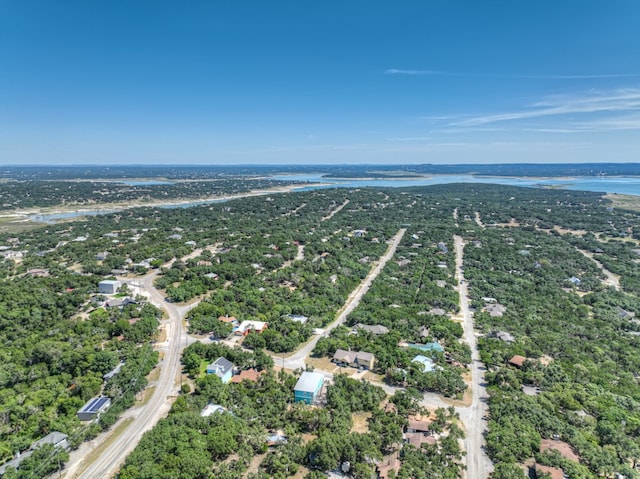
column 308, row 382
column 95, row 404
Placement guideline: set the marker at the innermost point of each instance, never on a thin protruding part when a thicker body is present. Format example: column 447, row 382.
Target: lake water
column 143, row 182
column 620, row 185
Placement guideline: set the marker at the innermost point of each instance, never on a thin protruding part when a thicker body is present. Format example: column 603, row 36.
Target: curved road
column 146, row 415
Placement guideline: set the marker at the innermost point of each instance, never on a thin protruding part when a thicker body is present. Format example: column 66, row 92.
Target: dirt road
column 612, row 278
column 330, row 215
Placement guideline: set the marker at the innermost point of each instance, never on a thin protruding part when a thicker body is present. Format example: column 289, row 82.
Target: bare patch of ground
column 360, row 422
column 323, row 364
column 478, row 219
column 143, row 397
column 373, row 377
column 467, row 396
column 564, row 231
column 302, row 473
column 162, row 335
column 511, row 224
column 254, row 465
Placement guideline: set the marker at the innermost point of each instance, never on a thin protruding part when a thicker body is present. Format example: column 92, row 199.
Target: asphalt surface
column 297, row 359
column 473, row 418
column 144, row 417
column 167, row 386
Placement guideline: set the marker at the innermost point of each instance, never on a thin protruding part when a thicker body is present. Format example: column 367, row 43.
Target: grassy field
column 627, row 202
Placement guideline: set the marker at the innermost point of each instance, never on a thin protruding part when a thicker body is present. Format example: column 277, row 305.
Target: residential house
column 109, row 286
column 276, row 439
column 211, row 409
column 93, row 408
column 113, row 372
column 102, row 255
column 565, row 449
column 417, row 424
column 38, row 272
column 360, row 359
column 228, row 319
column 622, row 313
column 425, row 361
column 517, row 360
column 495, row 310
column 251, row 375
column 506, row 337
column 417, row 439
column 375, row 329
column 308, row 387
column 246, row 327
column 221, row 367
column 298, row 318
column 427, row 347
column 119, row 302
column 57, row 439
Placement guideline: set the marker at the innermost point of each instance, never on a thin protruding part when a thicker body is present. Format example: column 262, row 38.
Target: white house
column 109, row 286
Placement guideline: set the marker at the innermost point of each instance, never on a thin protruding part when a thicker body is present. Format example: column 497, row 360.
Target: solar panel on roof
column 95, row 404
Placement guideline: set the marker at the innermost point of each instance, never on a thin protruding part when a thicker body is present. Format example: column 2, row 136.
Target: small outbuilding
column 308, row 387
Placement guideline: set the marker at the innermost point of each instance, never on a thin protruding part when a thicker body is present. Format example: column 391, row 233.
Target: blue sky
column 350, row 81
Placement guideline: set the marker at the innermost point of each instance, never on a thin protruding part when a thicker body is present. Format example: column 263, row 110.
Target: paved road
column 297, row 359
column 478, row 463
column 147, row 415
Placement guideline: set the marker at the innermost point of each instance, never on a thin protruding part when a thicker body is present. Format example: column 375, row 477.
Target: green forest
column 563, row 267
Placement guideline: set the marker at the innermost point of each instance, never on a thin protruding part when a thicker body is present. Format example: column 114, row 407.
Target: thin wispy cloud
column 626, row 122
column 615, row 102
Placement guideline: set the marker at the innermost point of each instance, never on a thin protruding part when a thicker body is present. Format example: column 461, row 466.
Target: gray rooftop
column 308, row 382
column 221, row 366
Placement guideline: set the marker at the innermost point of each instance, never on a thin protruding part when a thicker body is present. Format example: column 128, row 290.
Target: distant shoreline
column 29, row 215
